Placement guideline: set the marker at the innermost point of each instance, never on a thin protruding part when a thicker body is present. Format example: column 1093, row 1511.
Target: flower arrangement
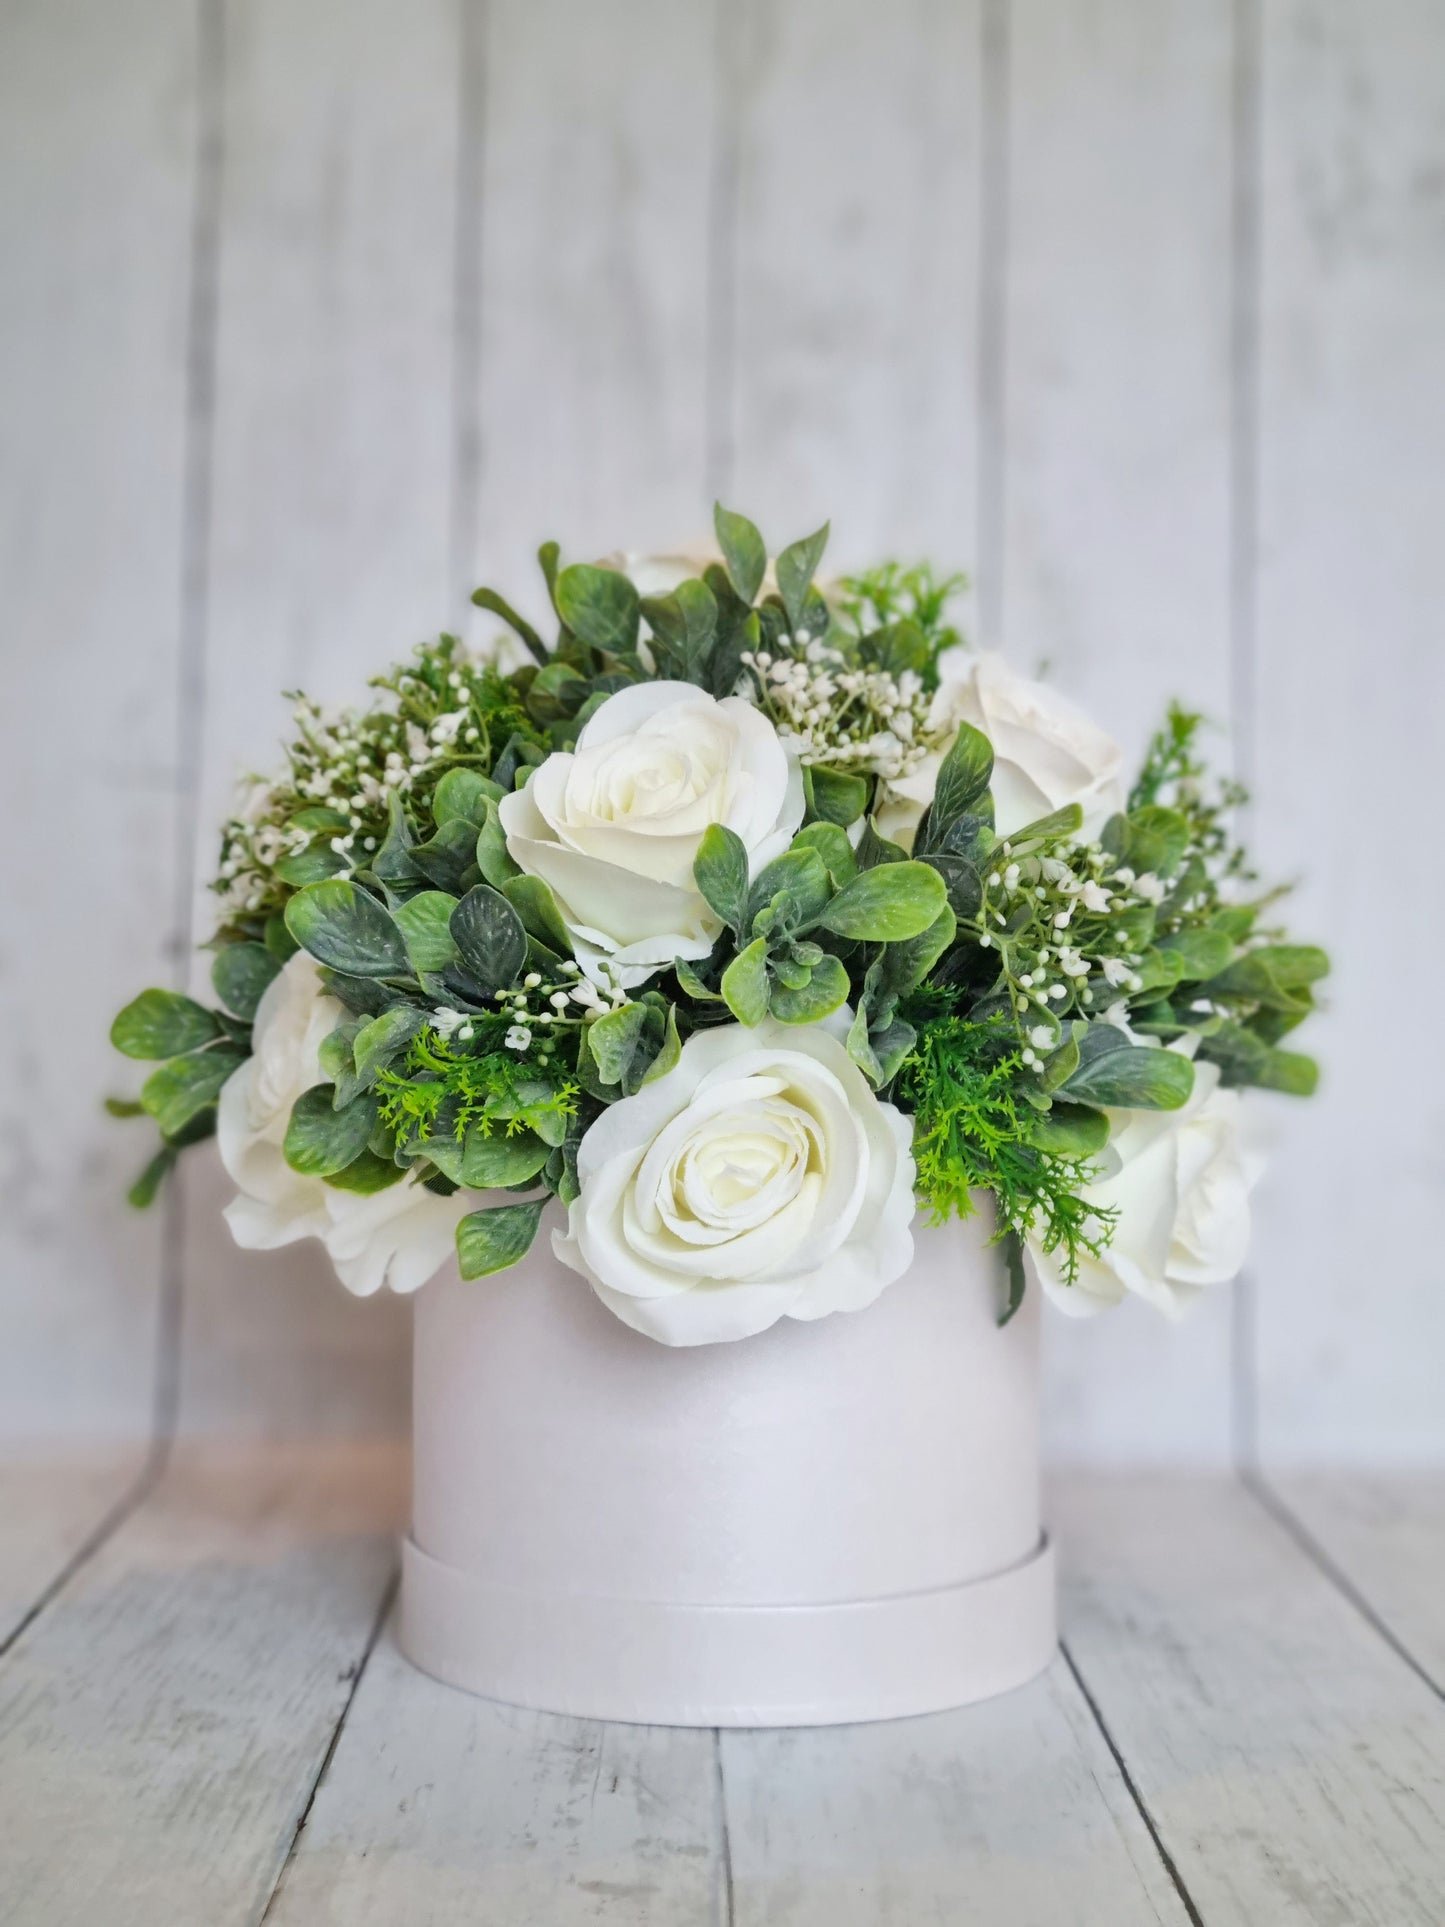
column 746, row 920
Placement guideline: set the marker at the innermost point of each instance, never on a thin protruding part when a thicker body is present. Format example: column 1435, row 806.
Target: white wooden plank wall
column 1054, row 292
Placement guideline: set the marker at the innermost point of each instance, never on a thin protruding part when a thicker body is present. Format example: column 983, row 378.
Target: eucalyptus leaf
column 344, row 927
column 534, row 903
column 1138, row 1077
column 321, row 1140
column 963, row 777
column 887, row 904
column 489, row 1241
column 492, row 859
column 745, row 983
column 489, row 599
column 720, row 870
column 801, row 876
column 908, row 962
column 694, row 986
column 278, row 939
column 491, row 1163
column 162, row 1023
column 143, row 1191
column 1072, row 1131
column 824, row 991
column 446, row 859
column 312, row 865
column 424, row 921
column 385, row 1038
column 836, row 797
column 491, row 942
column 667, row 1057
column 366, row 1175
column 833, row 847
column 392, row 862
column 240, row 974
column 178, row 1091
column 1201, row 953
column 1015, row 1280
column 462, row 795
column 613, row 1041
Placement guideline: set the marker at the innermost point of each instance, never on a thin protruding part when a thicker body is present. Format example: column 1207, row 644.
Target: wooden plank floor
column 204, row 1718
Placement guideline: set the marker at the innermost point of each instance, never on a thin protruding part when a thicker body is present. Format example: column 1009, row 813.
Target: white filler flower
column 758, row 1179
column 1046, row 752
column 1180, row 1181
column 398, row 1236
column 613, row 827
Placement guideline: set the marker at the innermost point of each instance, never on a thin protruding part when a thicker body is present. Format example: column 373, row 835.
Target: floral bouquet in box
column 749, row 919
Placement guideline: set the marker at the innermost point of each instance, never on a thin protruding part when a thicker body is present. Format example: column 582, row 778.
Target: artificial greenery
column 1010, row 993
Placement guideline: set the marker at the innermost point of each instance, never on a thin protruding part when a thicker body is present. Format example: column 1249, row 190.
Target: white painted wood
column 333, row 455
column 441, row 1808
column 1386, row 1533
column 1292, row 1762
column 96, row 176
column 49, row 1511
column 1351, row 676
column 852, row 302
column 1115, row 565
column 163, row 1721
column 590, row 358
column 1011, row 1811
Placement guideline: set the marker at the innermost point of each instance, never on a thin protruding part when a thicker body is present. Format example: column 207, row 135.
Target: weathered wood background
column 315, row 312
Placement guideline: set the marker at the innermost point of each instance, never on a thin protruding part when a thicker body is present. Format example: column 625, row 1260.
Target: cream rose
column 758, row 1179
column 1046, row 753
column 1180, row 1181
column 398, row 1236
column 613, row 826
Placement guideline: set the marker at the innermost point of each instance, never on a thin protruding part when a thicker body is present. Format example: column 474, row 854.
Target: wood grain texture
column 1386, row 1533
column 1293, row 1764
column 50, row 1509
column 97, row 141
column 163, row 1722
column 852, row 295
column 333, row 455
column 1350, row 674
column 590, row 353
column 440, row 1808
column 1115, row 563
column 1011, row 1811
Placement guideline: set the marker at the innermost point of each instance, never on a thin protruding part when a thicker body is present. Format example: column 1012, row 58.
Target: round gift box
column 834, row 1520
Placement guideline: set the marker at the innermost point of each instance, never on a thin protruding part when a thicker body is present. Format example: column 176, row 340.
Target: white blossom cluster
column 859, row 720
column 534, row 1005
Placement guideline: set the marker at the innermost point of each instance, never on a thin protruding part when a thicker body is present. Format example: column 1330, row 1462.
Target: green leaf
column 1275, row 975
column 491, row 852
column 1201, row 953
column 534, row 903
column 491, row 1163
column 489, row 599
column 834, row 848
column 963, row 777
column 1071, row 1131
column 797, row 566
column 599, row 605
column 278, row 939
column 743, row 552
column 874, row 849
column 491, row 943
column 462, row 796
column 720, row 870
column 425, row 924
column 162, row 1023
column 392, row 862
column 961, row 879
column 341, row 925
column 143, row 1191
column 670, row 1052
column 613, row 1041
column 366, row 1175
column 1125, row 1076
column 745, row 983
column 799, row 875
column 887, row 904
column 446, row 859
column 1064, row 822
column 1157, row 839
column 312, row 865
column 384, row 1038
column 1015, row 1280
column 124, row 1107
column 694, row 985
column 240, row 975
column 490, row 1240
column 1289, row 1071
column 824, row 992
column 683, row 626
column 836, row 798
column 906, row 964
column 320, row 1140
column 180, row 1090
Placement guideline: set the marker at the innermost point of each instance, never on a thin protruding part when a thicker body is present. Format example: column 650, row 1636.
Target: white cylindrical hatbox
column 830, row 1521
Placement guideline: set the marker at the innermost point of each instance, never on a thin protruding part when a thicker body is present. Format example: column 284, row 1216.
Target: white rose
column 1180, row 1181
column 398, row 1236
column 1046, row 753
column 758, row 1179
column 613, row 826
